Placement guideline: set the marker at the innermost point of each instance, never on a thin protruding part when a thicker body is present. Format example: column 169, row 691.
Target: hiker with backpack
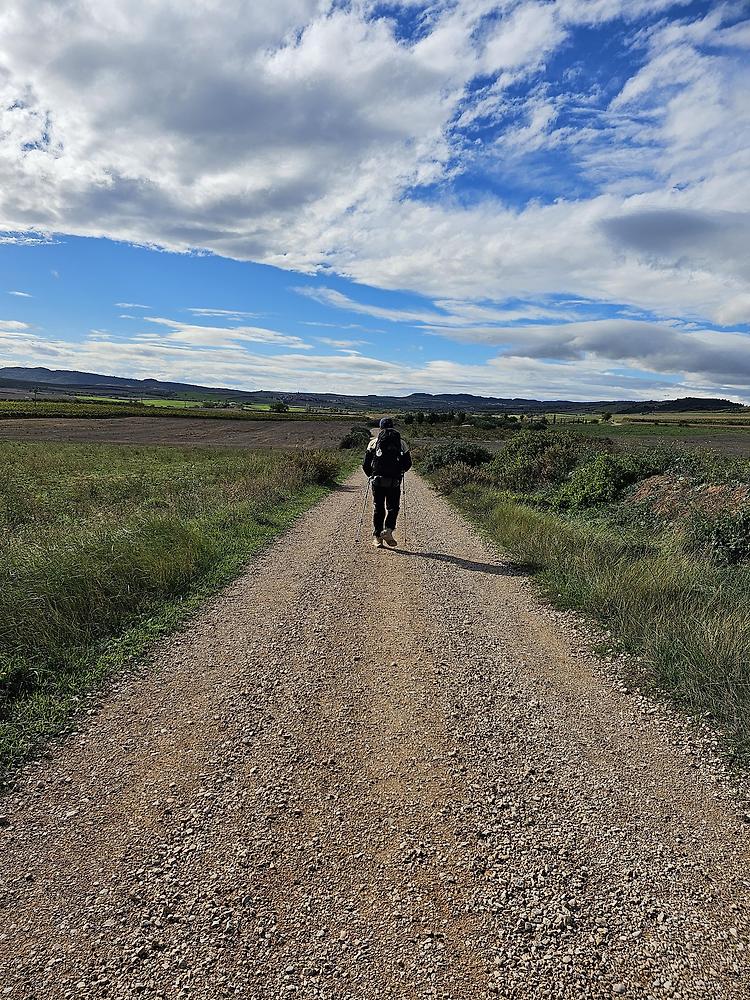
column 386, row 460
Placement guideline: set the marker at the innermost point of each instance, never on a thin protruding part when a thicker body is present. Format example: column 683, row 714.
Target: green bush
column 357, row 437
column 453, row 477
column 452, row 453
column 601, row 479
column 535, row 458
column 729, row 540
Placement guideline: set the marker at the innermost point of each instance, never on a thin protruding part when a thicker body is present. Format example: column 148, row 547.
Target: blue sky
column 529, row 197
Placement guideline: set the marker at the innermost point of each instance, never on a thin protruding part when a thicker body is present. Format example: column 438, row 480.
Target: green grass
column 17, row 409
column 174, row 404
column 104, row 547
column 670, row 430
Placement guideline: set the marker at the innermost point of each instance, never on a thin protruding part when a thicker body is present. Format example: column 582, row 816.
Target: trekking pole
column 364, row 505
column 403, row 503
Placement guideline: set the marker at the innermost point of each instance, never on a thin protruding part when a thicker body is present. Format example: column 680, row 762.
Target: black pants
column 385, row 497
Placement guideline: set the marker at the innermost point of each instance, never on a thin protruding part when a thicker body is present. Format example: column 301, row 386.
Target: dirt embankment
column 673, row 498
column 180, row 431
column 369, row 773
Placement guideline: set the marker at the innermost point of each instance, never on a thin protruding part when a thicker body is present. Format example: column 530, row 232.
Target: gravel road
column 368, row 773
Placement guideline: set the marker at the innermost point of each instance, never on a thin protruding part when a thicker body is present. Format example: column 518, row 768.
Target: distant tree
column 606, row 417
column 420, row 417
column 279, row 406
column 432, row 417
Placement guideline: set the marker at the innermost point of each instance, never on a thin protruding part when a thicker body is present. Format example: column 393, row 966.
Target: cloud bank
column 468, row 150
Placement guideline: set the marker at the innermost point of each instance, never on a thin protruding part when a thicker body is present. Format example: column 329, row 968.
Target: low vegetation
column 357, row 438
column 103, row 547
column 675, row 590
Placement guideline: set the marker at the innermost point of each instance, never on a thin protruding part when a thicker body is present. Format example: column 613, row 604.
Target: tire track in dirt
column 364, row 773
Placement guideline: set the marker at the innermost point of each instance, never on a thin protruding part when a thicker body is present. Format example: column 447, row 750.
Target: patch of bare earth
column 363, row 773
column 207, row 432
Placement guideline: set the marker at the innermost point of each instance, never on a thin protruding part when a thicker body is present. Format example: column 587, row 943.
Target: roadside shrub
column 453, row 453
column 729, row 540
column 601, row 478
column 357, row 437
column 533, row 458
column 453, row 477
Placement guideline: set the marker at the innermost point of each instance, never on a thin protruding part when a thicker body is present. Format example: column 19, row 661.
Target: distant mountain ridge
column 49, row 380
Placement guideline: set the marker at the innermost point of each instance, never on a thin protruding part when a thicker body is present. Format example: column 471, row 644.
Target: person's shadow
column 493, row 569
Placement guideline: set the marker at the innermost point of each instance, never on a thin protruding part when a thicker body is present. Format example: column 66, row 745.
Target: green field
column 729, row 436
column 176, row 404
column 179, row 404
column 672, row 588
column 104, row 547
column 111, row 407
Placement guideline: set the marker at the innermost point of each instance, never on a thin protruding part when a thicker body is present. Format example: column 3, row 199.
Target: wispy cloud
column 333, row 342
column 217, row 336
column 22, row 295
column 449, row 313
column 131, row 305
column 222, row 313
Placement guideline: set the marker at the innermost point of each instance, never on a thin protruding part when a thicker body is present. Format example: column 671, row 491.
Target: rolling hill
column 48, row 381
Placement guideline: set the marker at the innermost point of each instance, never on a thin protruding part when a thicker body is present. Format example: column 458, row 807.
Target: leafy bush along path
column 366, row 773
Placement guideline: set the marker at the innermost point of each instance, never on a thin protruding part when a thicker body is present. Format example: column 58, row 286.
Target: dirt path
column 365, row 774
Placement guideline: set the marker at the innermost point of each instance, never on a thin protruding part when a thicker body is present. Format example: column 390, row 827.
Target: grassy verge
column 103, row 548
column 653, row 584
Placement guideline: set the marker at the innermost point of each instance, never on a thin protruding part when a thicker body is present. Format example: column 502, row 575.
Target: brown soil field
column 180, row 430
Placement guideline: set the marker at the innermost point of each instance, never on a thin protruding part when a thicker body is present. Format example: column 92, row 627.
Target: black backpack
column 386, row 461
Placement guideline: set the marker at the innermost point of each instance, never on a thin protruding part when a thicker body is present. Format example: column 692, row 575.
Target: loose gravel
column 369, row 773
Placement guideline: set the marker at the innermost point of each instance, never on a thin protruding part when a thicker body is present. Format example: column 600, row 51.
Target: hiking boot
column 387, row 536
column 377, row 542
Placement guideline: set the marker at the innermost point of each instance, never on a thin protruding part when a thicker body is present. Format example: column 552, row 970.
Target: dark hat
column 386, row 422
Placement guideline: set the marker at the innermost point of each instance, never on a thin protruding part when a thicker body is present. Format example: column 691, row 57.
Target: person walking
column 386, row 460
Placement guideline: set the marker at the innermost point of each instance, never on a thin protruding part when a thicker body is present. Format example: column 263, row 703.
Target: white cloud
column 709, row 355
column 131, row 305
column 341, row 344
column 223, row 336
column 585, row 360
column 222, row 313
column 297, row 137
column 21, row 295
column 12, row 325
column 452, row 313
